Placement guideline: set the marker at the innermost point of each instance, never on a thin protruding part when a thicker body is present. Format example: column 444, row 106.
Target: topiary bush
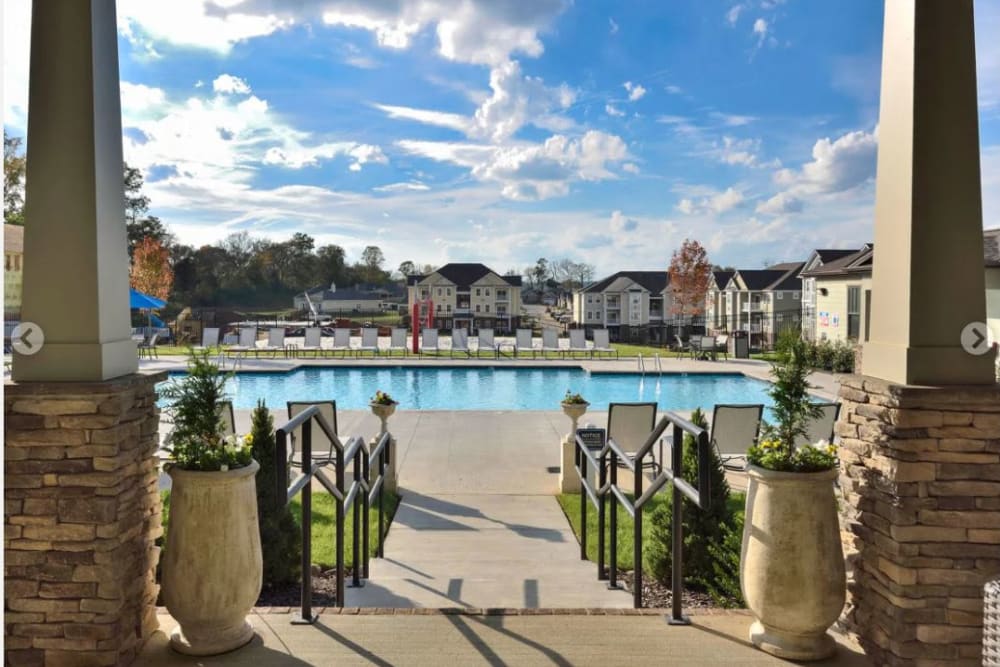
column 723, row 584
column 280, row 536
column 702, row 528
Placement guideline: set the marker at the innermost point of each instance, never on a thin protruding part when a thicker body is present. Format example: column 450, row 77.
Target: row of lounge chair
column 733, row 430
column 245, row 343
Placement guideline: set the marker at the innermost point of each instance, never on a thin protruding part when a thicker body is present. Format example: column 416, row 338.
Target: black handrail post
column 613, row 528
column 601, row 523
column 637, row 536
column 341, row 597
column 380, row 552
column 367, row 477
column 581, row 461
column 306, row 615
column 356, row 527
column 281, row 469
column 676, row 581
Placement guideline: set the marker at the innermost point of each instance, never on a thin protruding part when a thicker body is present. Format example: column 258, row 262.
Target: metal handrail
column 362, row 486
column 641, row 364
column 606, row 462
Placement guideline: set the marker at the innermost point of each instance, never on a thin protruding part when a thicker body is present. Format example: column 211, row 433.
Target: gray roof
column 779, row 277
column 858, row 261
column 654, row 281
column 463, row 274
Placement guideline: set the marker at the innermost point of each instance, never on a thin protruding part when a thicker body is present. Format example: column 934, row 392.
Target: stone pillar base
column 920, row 473
column 81, row 514
column 569, row 481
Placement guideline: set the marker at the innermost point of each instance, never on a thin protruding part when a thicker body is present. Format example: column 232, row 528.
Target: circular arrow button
column 976, row 338
column 27, row 338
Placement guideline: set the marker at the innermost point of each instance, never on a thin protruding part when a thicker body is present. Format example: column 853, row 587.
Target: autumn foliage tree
column 690, row 276
column 151, row 273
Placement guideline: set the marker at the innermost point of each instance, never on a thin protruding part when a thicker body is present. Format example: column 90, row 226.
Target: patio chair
column 460, row 342
column 369, row 341
column 682, row 348
column 247, row 343
column 228, row 419
column 209, row 339
column 821, row 427
column 523, row 342
column 629, row 425
column 578, row 342
column 734, row 429
column 602, row 343
column 722, row 345
column 341, row 340
column 148, row 348
column 429, row 340
column 397, row 341
column 313, row 341
column 550, row 342
column 705, row 348
column 322, row 447
column 275, row 341
column 485, row 341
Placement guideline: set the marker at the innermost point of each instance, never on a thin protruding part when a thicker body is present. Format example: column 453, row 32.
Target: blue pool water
column 490, row 388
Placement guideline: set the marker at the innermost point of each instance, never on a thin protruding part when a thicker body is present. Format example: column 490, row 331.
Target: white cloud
column 138, row 99
column 612, row 110
column 406, row 186
column 733, row 15
column 635, row 91
column 837, row 166
column 716, row 202
column 731, row 119
column 630, row 167
column 674, row 90
column 612, row 26
column 366, row 154
column 738, row 151
column 760, row 28
column 620, row 223
column 780, row 204
column 229, row 84
column 453, row 121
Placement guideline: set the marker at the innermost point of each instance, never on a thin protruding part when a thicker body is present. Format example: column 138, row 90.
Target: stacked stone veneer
column 921, row 482
column 81, row 513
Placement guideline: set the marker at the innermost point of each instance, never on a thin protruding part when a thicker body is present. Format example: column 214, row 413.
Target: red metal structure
column 416, row 321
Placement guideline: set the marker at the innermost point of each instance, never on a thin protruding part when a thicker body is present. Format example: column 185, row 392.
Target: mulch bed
column 657, row 596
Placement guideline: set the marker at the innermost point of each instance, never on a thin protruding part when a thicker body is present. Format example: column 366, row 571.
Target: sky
column 502, row 131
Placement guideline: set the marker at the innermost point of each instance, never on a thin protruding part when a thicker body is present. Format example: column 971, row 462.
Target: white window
column 779, row 317
column 478, row 292
column 449, row 307
column 477, row 307
column 448, row 291
column 487, row 308
column 439, row 291
column 590, row 299
column 796, row 295
column 781, row 295
column 487, row 292
column 439, row 308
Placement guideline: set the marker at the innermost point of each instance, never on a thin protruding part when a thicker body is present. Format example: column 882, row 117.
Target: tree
column 407, row 268
column 331, row 265
column 372, row 260
column 13, row 175
column 151, row 272
column 538, row 273
column 690, row 275
column 138, row 225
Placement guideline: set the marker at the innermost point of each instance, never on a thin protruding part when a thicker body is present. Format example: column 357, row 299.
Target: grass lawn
column 627, row 350
column 570, row 503
column 324, row 514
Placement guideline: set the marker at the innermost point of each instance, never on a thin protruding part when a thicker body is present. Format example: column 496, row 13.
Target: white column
column 928, row 280
column 75, row 252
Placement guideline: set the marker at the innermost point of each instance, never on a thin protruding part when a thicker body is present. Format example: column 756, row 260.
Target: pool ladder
column 657, row 366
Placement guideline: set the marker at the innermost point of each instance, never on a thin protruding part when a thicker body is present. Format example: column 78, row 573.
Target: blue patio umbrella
column 139, row 301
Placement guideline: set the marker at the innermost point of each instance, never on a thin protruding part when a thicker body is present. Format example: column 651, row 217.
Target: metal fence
column 606, row 463
column 357, row 496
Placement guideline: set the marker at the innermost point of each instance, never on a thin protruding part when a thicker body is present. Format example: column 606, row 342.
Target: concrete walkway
column 439, row 639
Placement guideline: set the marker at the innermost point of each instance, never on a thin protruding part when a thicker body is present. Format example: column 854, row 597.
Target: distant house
column 840, row 292
column 13, row 257
column 624, row 303
column 763, row 302
column 467, row 295
column 336, row 301
column 716, row 316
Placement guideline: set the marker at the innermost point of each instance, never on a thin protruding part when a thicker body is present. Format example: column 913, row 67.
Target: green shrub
column 843, row 358
column 702, row 528
column 824, row 355
column 723, row 584
column 280, row 536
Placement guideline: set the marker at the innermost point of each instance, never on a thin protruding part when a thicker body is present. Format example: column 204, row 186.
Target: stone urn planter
column 212, row 566
column 383, row 411
column 569, row 482
column 792, row 566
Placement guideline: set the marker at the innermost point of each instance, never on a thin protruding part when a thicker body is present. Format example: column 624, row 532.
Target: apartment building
column 837, row 304
column 13, row 256
column 817, row 260
column 467, row 295
column 763, row 302
column 716, row 316
column 632, row 305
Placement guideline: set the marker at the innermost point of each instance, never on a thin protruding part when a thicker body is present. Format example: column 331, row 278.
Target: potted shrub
column 792, row 566
column 212, row 563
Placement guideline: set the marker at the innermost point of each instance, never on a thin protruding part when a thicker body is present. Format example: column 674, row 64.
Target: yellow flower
column 248, row 439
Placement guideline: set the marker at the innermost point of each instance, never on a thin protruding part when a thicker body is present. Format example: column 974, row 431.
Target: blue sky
column 502, row 131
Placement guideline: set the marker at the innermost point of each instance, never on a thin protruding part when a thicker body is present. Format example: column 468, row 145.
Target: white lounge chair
column 209, row 339
column 484, row 341
column 313, row 341
column 682, row 348
column 550, row 342
column 397, row 341
column 523, row 342
column 630, row 425
column 821, row 427
column 578, row 342
column 460, row 342
column 602, row 343
column 705, row 348
column 247, row 344
column 320, row 444
column 275, row 341
column 722, row 345
column 341, row 340
column 734, row 429
column 429, row 341
column 369, row 341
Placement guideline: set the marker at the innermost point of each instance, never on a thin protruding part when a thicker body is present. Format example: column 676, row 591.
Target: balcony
column 754, row 307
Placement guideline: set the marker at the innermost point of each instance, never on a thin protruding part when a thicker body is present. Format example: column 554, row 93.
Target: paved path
column 436, row 640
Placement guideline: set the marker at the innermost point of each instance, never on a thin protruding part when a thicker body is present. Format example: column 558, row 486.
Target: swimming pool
column 490, row 388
